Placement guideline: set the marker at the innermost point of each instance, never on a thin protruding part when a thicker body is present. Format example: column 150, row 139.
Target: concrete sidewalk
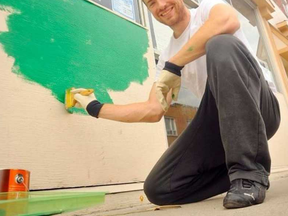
column 129, row 203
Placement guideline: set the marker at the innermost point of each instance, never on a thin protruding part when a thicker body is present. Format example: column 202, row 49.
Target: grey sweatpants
column 227, row 139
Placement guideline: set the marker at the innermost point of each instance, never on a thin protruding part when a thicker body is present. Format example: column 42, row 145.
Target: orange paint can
column 14, row 180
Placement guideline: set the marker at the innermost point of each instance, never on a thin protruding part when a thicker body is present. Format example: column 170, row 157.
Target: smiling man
column 225, row 147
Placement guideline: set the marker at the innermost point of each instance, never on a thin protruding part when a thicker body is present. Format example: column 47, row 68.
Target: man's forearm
column 137, row 112
column 194, row 49
column 223, row 20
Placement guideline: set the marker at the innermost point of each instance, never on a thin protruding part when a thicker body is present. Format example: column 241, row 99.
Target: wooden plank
column 264, row 3
column 284, row 53
column 265, row 13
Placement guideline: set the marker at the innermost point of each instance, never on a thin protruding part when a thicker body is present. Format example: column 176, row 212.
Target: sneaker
column 243, row 193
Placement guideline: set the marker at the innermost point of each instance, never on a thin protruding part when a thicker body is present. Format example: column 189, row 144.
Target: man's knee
column 152, row 192
column 221, row 41
column 221, row 47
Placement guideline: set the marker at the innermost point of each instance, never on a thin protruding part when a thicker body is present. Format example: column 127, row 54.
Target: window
column 247, row 17
column 126, row 8
column 285, row 5
column 170, row 126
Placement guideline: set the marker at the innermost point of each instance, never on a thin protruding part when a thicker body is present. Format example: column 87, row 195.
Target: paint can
column 14, row 180
column 14, row 184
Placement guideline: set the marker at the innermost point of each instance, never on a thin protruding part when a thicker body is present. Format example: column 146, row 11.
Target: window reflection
column 247, row 17
column 126, row 8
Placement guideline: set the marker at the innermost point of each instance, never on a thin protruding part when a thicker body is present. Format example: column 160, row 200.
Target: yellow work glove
column 170, row 78
column 82, row 100
column 88, row 102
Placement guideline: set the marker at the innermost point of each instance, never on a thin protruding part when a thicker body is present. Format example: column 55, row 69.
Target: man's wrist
column 173, row 68
column 94, row 107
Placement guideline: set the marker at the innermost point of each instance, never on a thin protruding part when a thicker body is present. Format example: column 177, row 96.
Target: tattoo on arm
column 190, row 49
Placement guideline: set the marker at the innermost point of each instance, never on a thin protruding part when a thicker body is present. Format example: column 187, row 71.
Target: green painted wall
column 63, row 43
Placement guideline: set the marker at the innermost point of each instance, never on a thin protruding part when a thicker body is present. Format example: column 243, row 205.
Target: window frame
column 138, row 9
column 172, row 125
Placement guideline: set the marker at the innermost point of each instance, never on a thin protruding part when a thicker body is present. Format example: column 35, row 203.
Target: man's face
column 168, row 12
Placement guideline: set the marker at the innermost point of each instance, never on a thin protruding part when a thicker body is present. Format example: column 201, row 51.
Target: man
column 225, row 146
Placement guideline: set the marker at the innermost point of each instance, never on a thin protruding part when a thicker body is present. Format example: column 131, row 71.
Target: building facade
column 42, row 137
column 177, row 118
column 47, row 47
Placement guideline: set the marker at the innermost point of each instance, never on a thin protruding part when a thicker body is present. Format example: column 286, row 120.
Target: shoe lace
column 246, row 183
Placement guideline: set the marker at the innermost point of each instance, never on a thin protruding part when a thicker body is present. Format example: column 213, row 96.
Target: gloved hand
column 82, row 100
column 88, row 102
column 170, row 78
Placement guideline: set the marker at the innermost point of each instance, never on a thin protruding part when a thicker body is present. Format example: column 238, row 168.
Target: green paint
column 191, row 49
column 72, row 43
column 38, row 203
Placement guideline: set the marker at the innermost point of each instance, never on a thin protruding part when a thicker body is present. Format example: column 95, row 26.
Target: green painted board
column 72, row 43
column 47, row 203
